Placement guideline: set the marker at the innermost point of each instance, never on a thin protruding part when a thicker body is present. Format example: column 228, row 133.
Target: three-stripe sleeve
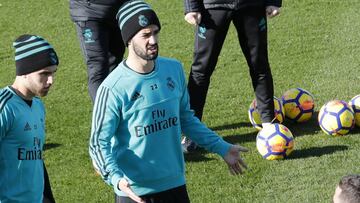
column 4, row 121
column 105, row 120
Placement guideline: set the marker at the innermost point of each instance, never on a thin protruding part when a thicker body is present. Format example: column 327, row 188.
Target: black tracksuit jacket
column 198, row 5
column 83, row 10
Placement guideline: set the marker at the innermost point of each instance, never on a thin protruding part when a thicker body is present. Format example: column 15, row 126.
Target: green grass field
column 312, row 44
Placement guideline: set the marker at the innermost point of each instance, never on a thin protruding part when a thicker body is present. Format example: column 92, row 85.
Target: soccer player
column 140, row 111
column 212, row 19
column 22, row 122
column 99, row 36
column 348, row 190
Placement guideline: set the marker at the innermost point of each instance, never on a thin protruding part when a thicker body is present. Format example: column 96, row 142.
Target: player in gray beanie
column 134, row 16
column 33, row 53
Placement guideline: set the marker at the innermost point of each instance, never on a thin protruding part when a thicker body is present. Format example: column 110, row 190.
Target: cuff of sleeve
column 115, row 179
column 224, row 149
column 274, row 3
column 192, row 10
column 193, row 6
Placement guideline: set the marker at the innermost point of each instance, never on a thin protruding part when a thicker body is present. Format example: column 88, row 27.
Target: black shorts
column 174, row 195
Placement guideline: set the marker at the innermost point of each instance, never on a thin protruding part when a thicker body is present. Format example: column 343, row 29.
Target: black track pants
column 103, row 50
column 251, row 26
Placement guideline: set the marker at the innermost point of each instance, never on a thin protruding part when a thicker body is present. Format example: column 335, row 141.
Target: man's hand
column 272, row 11
column 194, row 18
column 124, row 186
column 97, row 170
column 232, row 158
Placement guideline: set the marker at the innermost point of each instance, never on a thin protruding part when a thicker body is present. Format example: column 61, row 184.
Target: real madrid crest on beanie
column 133, row 16
column 33, row 53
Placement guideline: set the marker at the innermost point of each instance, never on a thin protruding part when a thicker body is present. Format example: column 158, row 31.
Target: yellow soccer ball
column 298, row 104
column 254, row 115
column 336, row 118
column 355, row 104
column 275, row 142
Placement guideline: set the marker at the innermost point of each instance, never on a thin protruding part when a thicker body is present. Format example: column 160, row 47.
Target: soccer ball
column 355, row 104
column 298, row 104
column 275, row 142
column 336, row 118
column 254, row 115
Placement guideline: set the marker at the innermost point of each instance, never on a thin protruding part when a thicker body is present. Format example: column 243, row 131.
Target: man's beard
column 142, row 54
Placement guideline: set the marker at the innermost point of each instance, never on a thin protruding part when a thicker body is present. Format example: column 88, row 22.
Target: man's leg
column 119, row 199
column 94, row 42
column 116, row 46
column 48, row 195
column 251, row 26
column 209, row 38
